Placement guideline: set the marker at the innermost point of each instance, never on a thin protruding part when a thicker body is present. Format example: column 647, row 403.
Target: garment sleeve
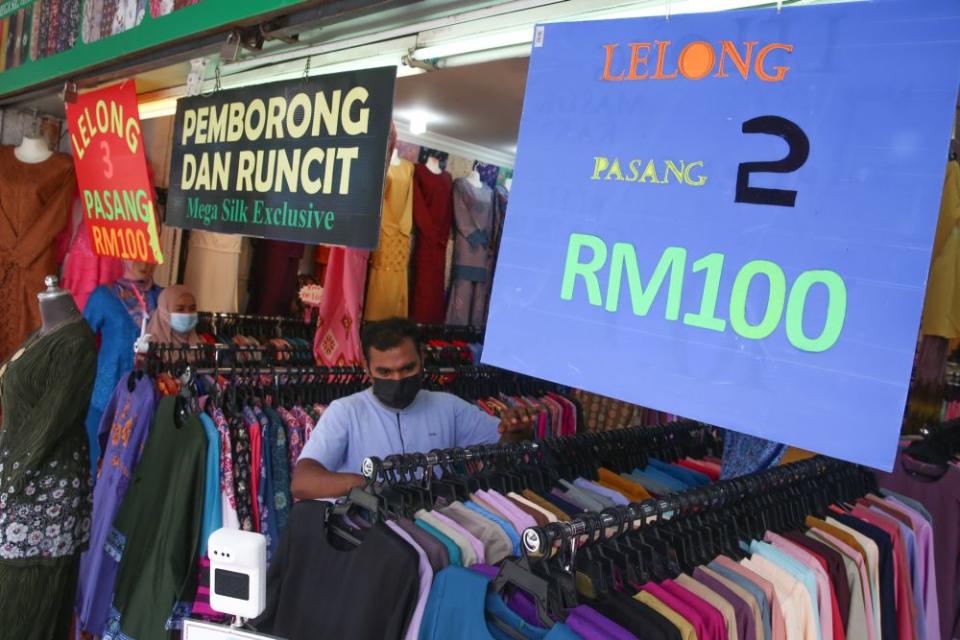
column 329, row 440
column 472, row 425
column 93, row 312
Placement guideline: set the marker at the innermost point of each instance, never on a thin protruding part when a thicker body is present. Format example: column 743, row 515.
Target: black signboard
column 299, row 160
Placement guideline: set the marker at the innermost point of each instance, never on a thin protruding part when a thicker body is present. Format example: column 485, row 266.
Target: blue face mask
column 183, row 322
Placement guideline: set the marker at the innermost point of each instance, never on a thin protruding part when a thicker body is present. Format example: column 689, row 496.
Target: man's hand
column 516, row 425
column 311, row 480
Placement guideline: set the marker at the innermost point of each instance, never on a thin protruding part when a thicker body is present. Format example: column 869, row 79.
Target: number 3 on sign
column 799, row 146
column 107, row 162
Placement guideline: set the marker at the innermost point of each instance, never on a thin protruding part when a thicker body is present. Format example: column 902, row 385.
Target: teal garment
column 506, row 526
column 664, row 478
column 459, row 606
column 581, row 498
column 648, row 483
column 212, row 498
column 689, row 476
column 453, row 551
column 280, row 497
column 798, row 570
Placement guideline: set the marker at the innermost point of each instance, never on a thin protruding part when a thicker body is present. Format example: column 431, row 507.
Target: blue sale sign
column 730, row 216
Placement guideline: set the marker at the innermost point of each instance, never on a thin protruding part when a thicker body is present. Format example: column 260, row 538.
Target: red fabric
column 695, row 466
column 255, row 453
column 433, row 219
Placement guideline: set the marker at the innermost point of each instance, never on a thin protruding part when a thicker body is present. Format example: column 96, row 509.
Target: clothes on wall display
column 35, row 201
column 273, row 277
column 387, row 287
column 941, row 307
column 470, row 285
column 213, row 266
column 433, row 217
column 115, row 313
column 337, row 340
column 44, row 479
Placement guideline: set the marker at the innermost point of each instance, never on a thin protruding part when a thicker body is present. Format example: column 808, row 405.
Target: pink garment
column 928, row 572
column 475, row 544
column 824, row 601
column 337, row 341
column 716, row 626
column 777, row 622
column 83, row 270
column 517, row 518
column 847, row 550
column 694, row 616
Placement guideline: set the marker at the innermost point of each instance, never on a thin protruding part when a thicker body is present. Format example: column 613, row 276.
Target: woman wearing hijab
column 175, row 321
column 117, row 312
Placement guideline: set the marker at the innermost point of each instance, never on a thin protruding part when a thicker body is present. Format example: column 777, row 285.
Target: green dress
column 45, row 483
column 157, row 529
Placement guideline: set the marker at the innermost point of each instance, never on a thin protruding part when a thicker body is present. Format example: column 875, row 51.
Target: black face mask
column 398, row 394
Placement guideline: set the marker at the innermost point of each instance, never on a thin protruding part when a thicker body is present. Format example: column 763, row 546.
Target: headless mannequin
column 433, row 165
column 395, row 158
column 56, row 306
column 508, row 183
column 474, row 179
column 32, row 150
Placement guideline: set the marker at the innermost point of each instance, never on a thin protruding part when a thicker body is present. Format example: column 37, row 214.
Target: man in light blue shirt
column 394, row 416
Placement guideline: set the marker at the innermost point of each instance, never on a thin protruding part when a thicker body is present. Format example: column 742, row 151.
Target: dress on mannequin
column 387, row 293
column 35, row 200
column 45, row 388
column 473, row 216
column 337, row 341
column 115, row 314
column 213, row 265
column 433, row 217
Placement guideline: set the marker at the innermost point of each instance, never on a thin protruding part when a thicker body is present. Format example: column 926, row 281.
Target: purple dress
column 123, row 432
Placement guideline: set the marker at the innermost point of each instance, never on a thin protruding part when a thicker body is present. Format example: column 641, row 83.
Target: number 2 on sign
column 799, row 146
column 107, row 162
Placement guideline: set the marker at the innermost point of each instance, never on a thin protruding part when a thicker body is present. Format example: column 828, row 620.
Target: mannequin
column 474, row 179
column 433, row 164
column 32, row 150
column 46, row 481
column 508, row 184
column 395, row 158
column 56, row 306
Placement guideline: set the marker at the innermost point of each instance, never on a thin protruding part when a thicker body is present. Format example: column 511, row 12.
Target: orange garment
column 631, row 490
column 35, row 201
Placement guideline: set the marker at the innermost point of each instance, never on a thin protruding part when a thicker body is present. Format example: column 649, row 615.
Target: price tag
column 311, row 295
column 729, row 216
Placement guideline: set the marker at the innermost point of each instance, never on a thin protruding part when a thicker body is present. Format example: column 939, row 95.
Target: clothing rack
column 541, row 541
column 374, row 467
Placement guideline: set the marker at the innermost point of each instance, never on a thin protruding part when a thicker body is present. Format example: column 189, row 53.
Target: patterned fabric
column 427, row 152
column 488, row 173
column 387, row 289
column 50, row 518
column 603, row 414
column 296, row 421
column 280, row 456
column 201, row 603
column 337, row 341
column 240, row 439
column 227, row 483
column 743, row 454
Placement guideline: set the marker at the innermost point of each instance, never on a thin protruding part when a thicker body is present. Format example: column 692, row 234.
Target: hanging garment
column 433, row 217
column 83, row 270
column 124, row 429
column 158, row 555
column 213, row 268
column 35, row 202
column 319, row 588
column 45, row 489
column 273, row 278
column 387, row 290
column 941, row 307
column 500, row 199
column 473, row 215
column 110, row 312
column 337, row 341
